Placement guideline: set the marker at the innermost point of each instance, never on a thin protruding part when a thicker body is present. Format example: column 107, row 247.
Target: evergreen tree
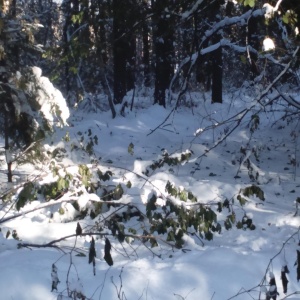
column 26, row 110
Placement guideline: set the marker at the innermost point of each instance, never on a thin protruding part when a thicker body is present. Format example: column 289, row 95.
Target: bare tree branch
column 53, row 244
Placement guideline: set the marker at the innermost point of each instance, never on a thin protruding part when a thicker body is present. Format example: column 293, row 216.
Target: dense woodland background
column 76, row 80
column 82, row 144
column 95, row 52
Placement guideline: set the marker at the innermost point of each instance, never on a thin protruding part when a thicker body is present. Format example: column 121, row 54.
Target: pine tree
column 25, row 115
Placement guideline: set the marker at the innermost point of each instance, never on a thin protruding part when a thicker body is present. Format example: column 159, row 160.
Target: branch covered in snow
column 53, row 244
column 237, row 118
column 66, row 198
column 194, row 8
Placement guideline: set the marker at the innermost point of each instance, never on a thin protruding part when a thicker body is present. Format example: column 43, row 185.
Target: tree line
column 113, row 47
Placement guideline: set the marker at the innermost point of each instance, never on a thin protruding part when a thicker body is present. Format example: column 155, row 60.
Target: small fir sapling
column 284, row 279
column 78, row 229
column 107, row 255
column 54, row 277
column 272, row 292
column 92, row 255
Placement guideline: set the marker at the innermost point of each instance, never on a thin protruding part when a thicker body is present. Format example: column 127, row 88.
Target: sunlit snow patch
column 268, row 44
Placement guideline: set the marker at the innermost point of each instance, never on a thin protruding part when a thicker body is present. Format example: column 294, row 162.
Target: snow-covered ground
column 231, row 266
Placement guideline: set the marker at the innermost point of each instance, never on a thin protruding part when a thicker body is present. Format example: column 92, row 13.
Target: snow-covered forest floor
column 232, row 265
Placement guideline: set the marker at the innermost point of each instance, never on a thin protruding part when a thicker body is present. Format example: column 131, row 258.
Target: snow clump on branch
column 53, row 105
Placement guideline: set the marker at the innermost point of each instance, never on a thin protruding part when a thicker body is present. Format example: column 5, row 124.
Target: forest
column 149, row 149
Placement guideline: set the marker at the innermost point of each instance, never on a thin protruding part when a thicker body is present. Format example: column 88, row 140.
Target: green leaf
column 128, row 184
column 118, row 192
column 131, row 149
column 254, row 190
column 61, row 211
column 153, row 243
column 171, row 189
column 132, row 230
column 210, row 216
column 290, row 17
column 107, row 255
column 192, row 197
column 208, row 235
column 250, row 3
column 254, row 123
column 67, row 138
column 171, row 236
column 74, row 70
column 243, row 59
column 239, row 225
column 150, row 206
column 227, row 224
column 62, row 183
column 85, row 173
column 28, row 193
column 104, row 177
column 183, row 195
column 241, row 199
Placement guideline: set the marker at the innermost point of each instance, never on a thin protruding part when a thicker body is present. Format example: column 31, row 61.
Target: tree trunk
column 67, row 24
column 6, row 147
column 130, row 63
column 123, row 48
column 163, row 36
column 253, row 40
column 217, row 75
column 146, row 54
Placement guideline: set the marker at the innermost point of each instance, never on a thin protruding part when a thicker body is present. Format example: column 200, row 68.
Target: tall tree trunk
column 217, row 75
column 130, row 63
column 146, row 55
column 163, row 36
column 123, row 48
column 66, row 26
column 102, row 43
column 15, row 51
column 120, row 80
column 253, row 40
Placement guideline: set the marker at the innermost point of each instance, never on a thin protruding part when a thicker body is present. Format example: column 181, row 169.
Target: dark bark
column 67, row 24
column 101, row 28
column 254, row 41
column 146, row 55
column 146, row 36
column 123, row 48
column 163, row 36
column 217, row 76
column 6, row 147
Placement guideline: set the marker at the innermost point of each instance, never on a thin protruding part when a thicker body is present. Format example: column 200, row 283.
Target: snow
column 269, row 10
column 268, row 44
column 231, row 266
column 50, row 99
column 189, row 13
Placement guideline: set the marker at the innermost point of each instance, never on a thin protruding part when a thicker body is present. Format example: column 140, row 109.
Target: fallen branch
column 53, row 244
column 65, row 198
